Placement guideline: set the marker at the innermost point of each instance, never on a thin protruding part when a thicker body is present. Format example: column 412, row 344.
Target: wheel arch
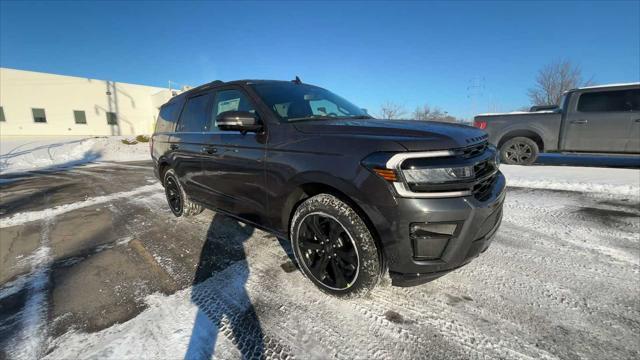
column 163, row 166
column 528, row 133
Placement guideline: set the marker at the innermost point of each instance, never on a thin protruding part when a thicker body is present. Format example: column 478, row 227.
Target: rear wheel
column 519, row 151
column 334, row 247
column 177, row 199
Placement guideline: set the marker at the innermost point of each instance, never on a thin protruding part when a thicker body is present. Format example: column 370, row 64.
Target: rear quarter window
column 168, row 117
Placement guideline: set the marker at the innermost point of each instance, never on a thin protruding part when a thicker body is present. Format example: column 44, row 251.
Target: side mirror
column 243, row 121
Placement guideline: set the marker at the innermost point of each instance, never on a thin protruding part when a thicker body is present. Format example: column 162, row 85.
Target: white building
column 35, row 103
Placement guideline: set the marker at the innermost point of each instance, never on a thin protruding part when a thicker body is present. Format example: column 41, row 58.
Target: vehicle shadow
column 224, row 307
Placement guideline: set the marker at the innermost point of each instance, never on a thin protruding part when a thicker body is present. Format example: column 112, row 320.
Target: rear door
column 633, row 145
column 188, row 141
column 598, row 121
column 236, row 173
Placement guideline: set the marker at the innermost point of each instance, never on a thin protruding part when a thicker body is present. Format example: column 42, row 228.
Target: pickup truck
column 597, row 119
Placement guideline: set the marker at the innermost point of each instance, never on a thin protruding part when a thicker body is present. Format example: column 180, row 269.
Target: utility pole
column 475, row 90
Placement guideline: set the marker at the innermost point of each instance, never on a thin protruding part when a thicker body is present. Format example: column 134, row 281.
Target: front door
column 600, row 122
column 237, row 172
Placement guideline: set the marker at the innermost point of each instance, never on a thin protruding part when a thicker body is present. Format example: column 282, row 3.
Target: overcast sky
column 465, row 57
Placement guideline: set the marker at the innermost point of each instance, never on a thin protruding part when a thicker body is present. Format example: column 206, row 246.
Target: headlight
column 438, row 175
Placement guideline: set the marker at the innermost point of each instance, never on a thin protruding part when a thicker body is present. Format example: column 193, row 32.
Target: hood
column 414, row 135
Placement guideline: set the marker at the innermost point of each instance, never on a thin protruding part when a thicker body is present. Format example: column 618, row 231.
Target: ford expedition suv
column 597, row 119
column 356, row 196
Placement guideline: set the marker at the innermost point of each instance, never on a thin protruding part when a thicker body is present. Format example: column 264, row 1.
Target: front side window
column 39, row 115
column 194, row 116
column 2, row 114
column 230, row 100
column 605, row 101
column 296, row 102
column 112, row 118
column 79, row 117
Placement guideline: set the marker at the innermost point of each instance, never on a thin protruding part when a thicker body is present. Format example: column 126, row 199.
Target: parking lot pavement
column 92, row 263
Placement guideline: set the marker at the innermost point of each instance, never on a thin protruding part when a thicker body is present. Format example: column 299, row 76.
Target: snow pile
column 625, row 182
column 21, row 153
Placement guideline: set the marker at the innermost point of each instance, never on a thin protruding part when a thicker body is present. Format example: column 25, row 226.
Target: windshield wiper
column 313, row 117
column 325, row 117
column 360, row 117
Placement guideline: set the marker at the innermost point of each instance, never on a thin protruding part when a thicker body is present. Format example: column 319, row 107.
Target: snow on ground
column 581, row 179
column 24, row 153
column 559, row 281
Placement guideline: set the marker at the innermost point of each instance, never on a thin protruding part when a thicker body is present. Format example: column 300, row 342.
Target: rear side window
column 606, row 101
column 194, row 116
column 168, row 116
column 635, row 99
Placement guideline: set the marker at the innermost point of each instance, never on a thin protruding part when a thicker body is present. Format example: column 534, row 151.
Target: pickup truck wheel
column 178, row 200
column 519, row 151
column 334, row 247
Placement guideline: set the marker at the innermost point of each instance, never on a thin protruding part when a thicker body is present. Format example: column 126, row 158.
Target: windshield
column 298, row 102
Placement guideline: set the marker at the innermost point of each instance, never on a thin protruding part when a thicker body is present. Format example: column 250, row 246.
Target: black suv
column 355, row 195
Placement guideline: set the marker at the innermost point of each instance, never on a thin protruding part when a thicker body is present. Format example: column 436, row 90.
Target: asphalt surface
column 81, row 249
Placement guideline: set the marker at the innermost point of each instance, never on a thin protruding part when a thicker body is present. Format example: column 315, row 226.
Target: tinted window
column 39, row 116
column 230, row 100
column 293, row 102
column 194, row 116
column 112, row 118
column 635, row 99
column 79, row 117
column 168, row 116
column 2, row 114
column 605, row 101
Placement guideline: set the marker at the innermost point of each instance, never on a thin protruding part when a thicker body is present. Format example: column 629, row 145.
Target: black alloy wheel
column 328, row 251
column 174, row 197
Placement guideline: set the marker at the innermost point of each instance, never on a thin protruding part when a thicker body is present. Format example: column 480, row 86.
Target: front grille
column 482, row 190
column 473, row 150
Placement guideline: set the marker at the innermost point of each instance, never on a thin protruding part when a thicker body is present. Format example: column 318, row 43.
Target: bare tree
column 425, row 112
column 390, row 110
column 422, row 112
column 553, row 80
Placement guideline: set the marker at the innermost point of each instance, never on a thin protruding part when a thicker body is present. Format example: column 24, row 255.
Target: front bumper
column 477, row 222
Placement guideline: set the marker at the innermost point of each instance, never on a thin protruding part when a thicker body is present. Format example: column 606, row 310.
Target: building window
column 79, row 117
column 38, row 115
column 2, row 114
column 112, row 118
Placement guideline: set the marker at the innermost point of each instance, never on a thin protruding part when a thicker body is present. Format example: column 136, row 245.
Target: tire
column 519, row 151
column 325, row 231
column 177, row 198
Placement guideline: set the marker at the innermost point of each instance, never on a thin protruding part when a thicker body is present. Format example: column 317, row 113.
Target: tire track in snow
column 31, row 340
column 25, row 217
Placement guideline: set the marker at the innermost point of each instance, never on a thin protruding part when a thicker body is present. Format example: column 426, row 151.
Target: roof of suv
column 217, row 83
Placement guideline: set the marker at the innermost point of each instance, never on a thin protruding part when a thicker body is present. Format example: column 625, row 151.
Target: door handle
column 579, row 122
column 637, row 120
column 174, row 146
column 209, row 149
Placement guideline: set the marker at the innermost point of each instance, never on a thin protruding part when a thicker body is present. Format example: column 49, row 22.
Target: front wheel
column 519, row 151
column 334, row 247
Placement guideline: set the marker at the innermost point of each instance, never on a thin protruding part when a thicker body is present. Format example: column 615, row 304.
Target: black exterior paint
column 261, row 177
